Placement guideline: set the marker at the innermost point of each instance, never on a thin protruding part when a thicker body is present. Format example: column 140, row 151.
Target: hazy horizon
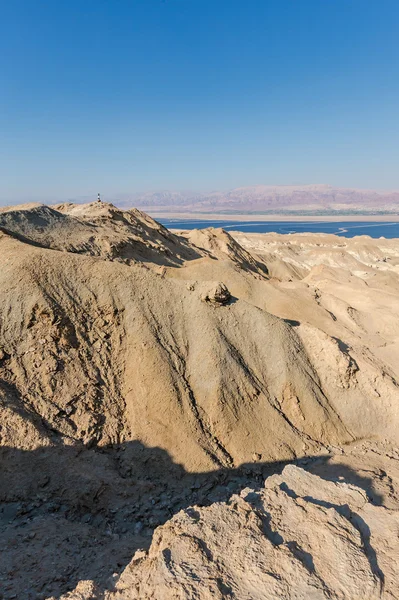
column 115, row 196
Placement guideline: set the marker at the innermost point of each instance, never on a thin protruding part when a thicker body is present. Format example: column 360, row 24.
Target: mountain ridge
column 257, row 199
column 266, row 199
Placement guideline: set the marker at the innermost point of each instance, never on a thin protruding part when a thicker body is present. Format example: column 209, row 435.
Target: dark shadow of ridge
column 69, row 513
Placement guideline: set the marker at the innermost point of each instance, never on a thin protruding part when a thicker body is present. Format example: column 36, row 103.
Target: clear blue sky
column 132, row 95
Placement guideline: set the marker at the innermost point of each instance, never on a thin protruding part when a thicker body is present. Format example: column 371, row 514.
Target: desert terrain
column 200, row 414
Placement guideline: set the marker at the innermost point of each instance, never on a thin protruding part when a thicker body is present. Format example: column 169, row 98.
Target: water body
column 374, row 229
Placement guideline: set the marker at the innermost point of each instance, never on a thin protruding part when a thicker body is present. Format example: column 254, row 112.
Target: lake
column 374, row 229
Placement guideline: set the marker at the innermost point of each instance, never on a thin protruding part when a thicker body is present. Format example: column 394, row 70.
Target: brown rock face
column 218, row 294
column 298, row 536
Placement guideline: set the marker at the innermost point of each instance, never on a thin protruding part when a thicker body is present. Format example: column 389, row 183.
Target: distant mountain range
column 267, row 199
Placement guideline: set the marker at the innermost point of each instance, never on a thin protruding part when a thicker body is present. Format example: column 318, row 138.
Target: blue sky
column 132, row 95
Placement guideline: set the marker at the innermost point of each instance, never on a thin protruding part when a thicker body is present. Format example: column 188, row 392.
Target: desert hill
column 106, row 352
column 143, row 370
column 97, row 229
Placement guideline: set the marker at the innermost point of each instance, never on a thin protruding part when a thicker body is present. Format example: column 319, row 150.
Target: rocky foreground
column 195, row 415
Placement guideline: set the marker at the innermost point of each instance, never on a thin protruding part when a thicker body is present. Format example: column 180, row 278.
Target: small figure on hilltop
column 98, row 197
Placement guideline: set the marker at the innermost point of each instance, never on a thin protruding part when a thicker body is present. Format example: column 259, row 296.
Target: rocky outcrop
column 98, row 229
column 299, row 537
column 218, row 294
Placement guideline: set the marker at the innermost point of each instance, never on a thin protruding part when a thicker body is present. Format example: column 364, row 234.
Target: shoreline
column 284, row 217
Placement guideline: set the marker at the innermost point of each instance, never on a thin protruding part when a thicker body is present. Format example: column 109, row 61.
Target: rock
column 217, row 294
column 138, row 527
column 299, row 537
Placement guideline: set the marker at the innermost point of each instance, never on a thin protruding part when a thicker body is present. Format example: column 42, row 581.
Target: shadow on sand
column 70, row 513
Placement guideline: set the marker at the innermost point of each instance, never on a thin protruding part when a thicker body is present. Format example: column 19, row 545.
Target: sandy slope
column 130, row 389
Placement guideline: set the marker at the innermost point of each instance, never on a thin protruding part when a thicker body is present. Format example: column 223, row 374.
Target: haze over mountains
column 295, row 199
column 314, row 199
